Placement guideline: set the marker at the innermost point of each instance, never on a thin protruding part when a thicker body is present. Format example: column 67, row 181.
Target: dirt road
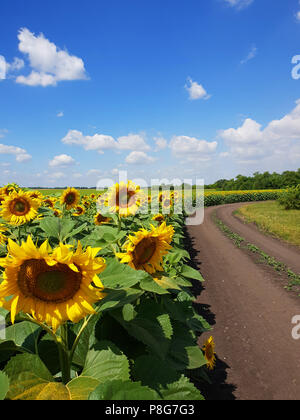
column 250, row 311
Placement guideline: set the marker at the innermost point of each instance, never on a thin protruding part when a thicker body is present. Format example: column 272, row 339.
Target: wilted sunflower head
column 209, row 353
column 125, row 199
column 19, row 208
column 144, row 250
column 70, row 198
column 52, row 285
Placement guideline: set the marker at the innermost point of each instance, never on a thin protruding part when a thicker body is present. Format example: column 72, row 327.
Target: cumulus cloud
column 6, row 67
column 132, row 142
column 139, row 158
column 251, row 141
column 101, row 142
column 61, row 160
column 49, row 64
column 60, row 114
column 191, row 148
column 196, row 91
column 20, row 154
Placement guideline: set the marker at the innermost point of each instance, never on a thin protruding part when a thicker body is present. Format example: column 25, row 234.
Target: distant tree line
column 259, row 181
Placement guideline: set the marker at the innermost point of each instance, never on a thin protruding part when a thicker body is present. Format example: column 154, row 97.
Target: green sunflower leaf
column 106, row 362
column 123, row 390
column 4, row 385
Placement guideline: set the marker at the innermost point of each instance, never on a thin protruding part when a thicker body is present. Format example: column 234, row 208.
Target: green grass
column 60, row 191
column 270, row 217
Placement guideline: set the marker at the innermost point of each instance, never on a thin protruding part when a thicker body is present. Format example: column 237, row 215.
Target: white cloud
column 252, row 54
column 57, row 175
column 253, row 142
column 62, row 160
column 132, row 142
column 49, row 64
column 191, row 148
column 101, row 142
column 60, row 114
column 239, row 4
column 196, row 91
column 20, row 154
column 3, row 67
column 77, row 175
column 161, row 143
column 16, row 65
column 139, row 158
column 94, row 172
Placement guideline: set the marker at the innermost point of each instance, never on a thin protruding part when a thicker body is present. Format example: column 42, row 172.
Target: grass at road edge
column 271, row 218
column 240, row 242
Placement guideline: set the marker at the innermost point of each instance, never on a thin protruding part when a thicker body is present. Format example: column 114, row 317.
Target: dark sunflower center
column 55, row 284
column 209, row 352
column 144, row 251
column 101, row 219
column 167, row 203
column 19, row 207
column 70, row 198
column 125, row 198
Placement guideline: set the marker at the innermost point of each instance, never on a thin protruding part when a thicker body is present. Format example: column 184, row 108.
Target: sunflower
column 145, row 249
column 52, row 285
column 57, row 213
column 209, row 353
column 125, row 199
column 19, row 208
column 158, row 218
column 70, row 198
column 167, row 203
column 36, row 195
column 99, row 219
column 49, row 202
column 79, row 211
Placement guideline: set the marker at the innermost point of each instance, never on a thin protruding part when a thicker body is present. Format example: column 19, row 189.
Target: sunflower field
column 215, row 198
column 96, row 298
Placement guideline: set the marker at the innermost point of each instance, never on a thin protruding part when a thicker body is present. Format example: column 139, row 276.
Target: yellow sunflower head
column 49, row 202
column 125, row 199
column 53, row 286
column 99, row 219
column 209, row 353
column 158, row 218
column 70, row 198
column 79, row 211
column 57, row 213
column 37, row 195
column 19, row 208
column 145, row 249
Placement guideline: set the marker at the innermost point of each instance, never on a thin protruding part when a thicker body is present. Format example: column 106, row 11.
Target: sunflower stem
column 19, row 235
column 84, row 325
column 64, row 355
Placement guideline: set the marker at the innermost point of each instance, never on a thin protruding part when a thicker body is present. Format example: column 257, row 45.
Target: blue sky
column 161, row 89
